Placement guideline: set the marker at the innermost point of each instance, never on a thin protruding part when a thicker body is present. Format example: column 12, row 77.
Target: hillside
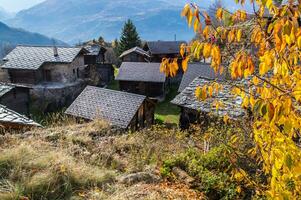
column 11, row 37
column 80, row 20
column 4, row 14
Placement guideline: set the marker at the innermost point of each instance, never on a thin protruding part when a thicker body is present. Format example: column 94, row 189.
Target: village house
column 196, row 70
column 35, row 65
column 135, row 54
column 56, row 75
column 15, row 97
column 163, row 49
column 121, row 109
column 194, row 110
column 142, row 78
column 98, row 64
column 10, row 119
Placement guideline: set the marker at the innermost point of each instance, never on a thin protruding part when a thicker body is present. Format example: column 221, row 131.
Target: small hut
column 121, row 109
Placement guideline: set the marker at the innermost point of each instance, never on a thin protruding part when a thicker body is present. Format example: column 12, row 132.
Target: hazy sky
column 17, row 5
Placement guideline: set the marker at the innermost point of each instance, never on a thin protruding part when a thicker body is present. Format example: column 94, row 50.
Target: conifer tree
column 129, row 37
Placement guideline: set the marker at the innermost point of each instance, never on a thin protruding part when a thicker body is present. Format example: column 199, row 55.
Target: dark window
column 73, row 71
column 77, row 72
column 47, row 74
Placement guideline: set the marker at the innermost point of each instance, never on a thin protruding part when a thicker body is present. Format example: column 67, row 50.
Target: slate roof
column 4, row 88
column 118, row 108
column 164, row 47
column 136, row 50
column 198, row 70
column 94, row 49
column 141, row 71
column 12, row 117
column 231, row 104
column 33, row 57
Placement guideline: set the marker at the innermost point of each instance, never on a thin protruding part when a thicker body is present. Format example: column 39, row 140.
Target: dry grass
column 80, row 161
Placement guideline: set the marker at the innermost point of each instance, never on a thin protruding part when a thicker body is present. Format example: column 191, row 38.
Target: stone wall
column 66, row 73
column 54, row 97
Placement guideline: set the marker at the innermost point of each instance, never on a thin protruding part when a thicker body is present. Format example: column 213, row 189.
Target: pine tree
column 129, row 37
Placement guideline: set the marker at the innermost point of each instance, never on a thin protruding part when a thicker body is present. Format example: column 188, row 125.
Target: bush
column 208, row 170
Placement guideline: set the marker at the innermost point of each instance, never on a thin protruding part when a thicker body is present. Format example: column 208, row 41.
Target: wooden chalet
column 163, row 49
column 142, row 78
column 15, row 97
column 96, row 61
column 121, row 109
column 135, row 54
column 193, row 110
column 35, row 65
column 10, row 119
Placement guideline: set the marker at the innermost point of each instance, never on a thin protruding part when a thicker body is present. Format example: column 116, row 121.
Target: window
column 47, row 75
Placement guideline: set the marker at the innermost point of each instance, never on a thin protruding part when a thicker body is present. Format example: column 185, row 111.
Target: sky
column 17, row 5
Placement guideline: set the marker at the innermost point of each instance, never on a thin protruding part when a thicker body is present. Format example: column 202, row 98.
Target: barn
column 142, row 78
column 121, row 109
column 194, row 110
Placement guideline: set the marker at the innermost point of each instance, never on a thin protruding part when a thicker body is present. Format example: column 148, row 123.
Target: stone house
column 121, row 109
column 135, row 54
column 10, row 119
column 33, row 65
column 15, row 97
column 142, row 78
column 194, row 110
column 97, row 63
column 56, row 75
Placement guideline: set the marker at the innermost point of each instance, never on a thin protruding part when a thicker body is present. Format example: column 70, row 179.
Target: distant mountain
column 4, row 14
column 80, row 20
column 10, row 37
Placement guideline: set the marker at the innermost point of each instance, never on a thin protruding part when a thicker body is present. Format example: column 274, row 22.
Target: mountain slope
column 4, row 14
column 80, row 20
column 11, row 37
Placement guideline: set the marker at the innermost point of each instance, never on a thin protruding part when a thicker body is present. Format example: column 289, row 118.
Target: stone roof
column 33, row 57
column 231, row 104
column 136, row 50
column 94, row 49
column 116, row 107
column 164, row 47
column 198, row 70
column 141, row 71
column 4, row 88
column 12, row 117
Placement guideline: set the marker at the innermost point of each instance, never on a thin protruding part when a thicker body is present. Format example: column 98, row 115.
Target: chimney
column 55, row 51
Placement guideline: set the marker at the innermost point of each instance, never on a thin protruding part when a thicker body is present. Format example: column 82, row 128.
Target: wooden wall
column 149, row 89
column 133, row 57
column 25, row 76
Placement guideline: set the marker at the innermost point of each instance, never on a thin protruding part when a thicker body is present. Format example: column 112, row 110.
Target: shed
column 15, row 97
column 10, row 119
column 121, row 109
column 196, row 70
column 194, row 110
column 142, row 78
column 135, row 54
column 163, row 49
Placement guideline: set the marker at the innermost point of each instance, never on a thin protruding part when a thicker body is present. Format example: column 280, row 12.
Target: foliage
column 129, row 37
column 268, row 59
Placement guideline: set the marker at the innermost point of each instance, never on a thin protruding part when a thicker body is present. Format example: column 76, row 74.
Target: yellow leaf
column 185, row 64
column 238, row 35
column 219, row 14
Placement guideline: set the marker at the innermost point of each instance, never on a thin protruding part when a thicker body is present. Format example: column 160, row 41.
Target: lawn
column 167, row 112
